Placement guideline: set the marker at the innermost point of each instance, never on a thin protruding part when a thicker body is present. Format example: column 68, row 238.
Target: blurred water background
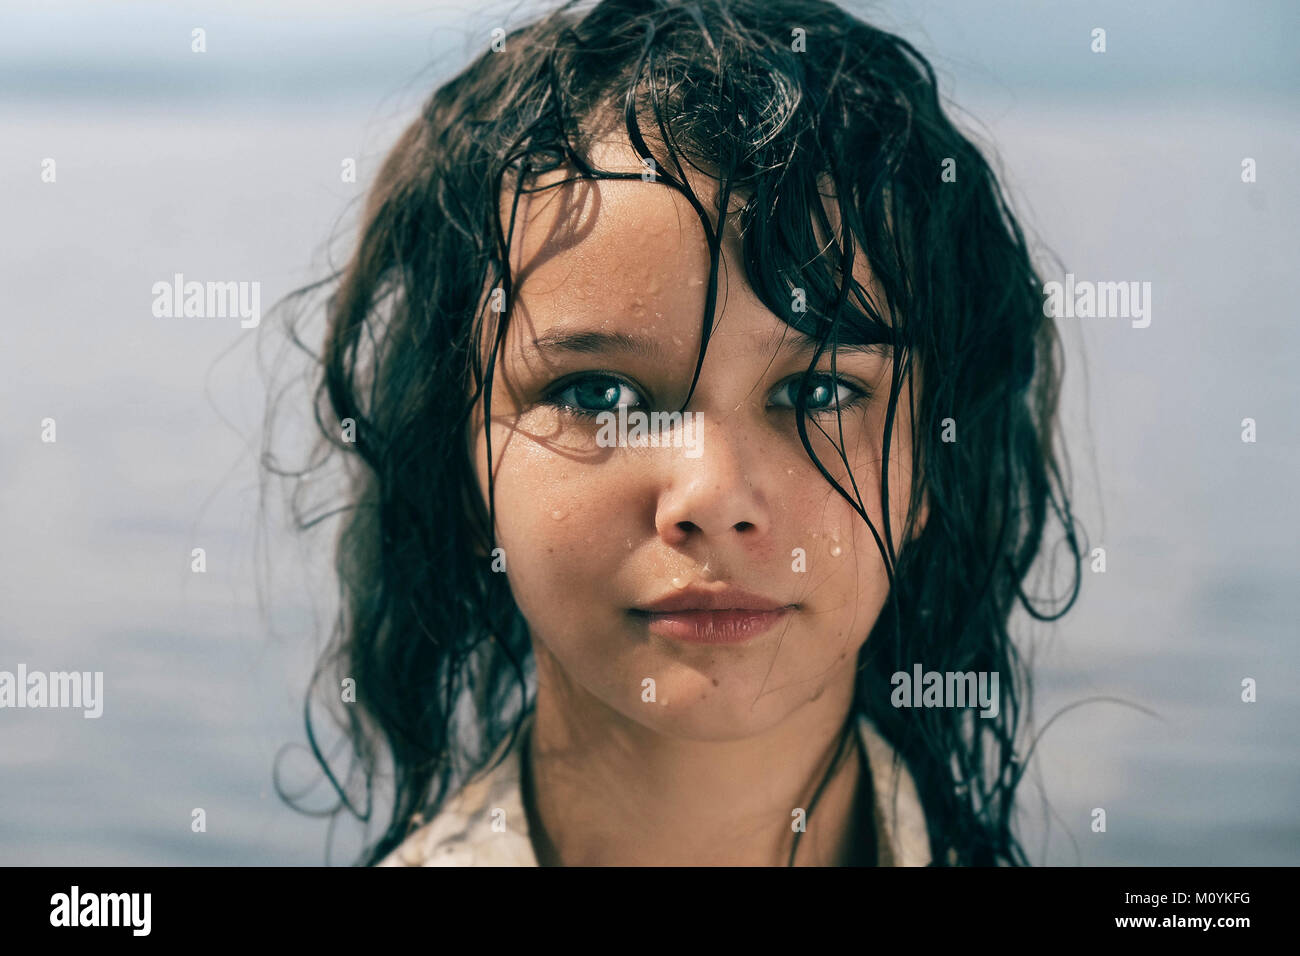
column 226, row 165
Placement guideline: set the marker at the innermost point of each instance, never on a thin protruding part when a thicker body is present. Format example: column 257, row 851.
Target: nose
column 720, row 495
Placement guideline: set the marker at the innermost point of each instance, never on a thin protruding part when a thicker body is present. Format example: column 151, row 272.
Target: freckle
column 715, row 682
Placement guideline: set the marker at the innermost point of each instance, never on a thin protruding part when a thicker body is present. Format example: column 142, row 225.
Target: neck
column 601, row 789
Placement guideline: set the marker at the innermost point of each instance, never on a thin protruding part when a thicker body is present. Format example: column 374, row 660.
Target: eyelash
column 857, row 396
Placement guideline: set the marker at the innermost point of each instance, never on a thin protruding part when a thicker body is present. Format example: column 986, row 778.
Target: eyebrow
column 594, row 343
column 644, row 346
column 804, row 345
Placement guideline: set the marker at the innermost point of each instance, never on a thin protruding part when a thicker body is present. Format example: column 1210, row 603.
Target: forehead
column 628, row 247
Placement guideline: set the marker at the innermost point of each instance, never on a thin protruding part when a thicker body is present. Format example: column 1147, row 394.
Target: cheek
column 845, row 584
column 847, row 575
column 562, row 523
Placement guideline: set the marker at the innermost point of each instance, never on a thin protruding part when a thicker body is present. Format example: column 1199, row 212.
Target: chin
column 696, row 710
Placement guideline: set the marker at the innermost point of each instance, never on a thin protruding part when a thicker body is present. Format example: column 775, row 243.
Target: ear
column 922, row 514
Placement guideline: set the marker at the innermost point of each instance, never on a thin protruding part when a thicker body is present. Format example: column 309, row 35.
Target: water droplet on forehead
column 678, row 583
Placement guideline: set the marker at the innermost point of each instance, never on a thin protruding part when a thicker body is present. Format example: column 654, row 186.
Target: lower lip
column 712, row 627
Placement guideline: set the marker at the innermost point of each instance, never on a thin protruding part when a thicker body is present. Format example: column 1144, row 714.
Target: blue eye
column 593, row 394
column 821, row 394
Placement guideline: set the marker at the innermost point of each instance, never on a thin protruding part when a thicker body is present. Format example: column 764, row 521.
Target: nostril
column 744, row 526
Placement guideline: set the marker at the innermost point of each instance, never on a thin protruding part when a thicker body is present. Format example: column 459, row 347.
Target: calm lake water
column 158, row 430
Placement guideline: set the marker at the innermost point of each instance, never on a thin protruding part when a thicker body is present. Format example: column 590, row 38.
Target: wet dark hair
column 776, row 100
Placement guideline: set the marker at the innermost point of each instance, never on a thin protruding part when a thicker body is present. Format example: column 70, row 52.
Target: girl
column 701, row 396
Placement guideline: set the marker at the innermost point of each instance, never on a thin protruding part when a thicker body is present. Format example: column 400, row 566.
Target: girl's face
column 610, row 294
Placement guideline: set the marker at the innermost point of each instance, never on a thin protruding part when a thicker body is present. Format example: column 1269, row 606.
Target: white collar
column 485, row 823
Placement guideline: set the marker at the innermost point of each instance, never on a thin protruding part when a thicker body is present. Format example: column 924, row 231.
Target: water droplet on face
column 678, row 583
column 836, row 551
column 557, row 515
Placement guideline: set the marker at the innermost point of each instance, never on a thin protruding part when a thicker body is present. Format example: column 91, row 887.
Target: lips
column 725, row 598
column 724, row 615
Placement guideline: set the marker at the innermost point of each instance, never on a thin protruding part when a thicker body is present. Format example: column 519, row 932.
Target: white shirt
column 462, row 833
